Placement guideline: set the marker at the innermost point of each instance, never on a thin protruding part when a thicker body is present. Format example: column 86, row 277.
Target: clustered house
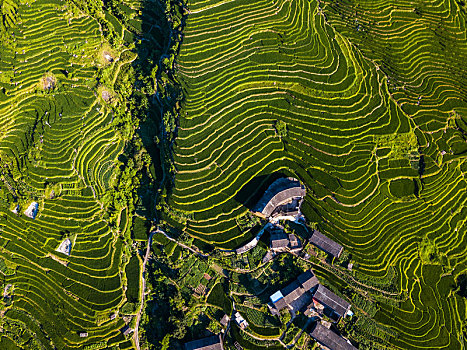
column 282, row 201
column 209, row 343
column 307, row 295
column 296, row 295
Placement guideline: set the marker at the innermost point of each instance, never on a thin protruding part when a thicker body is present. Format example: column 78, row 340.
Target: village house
column 282, row 199
column 326, row 244
column 329, row 339
column 334, row 306
column 306, row 293
column 297, row 294
column 294, row 242
column 241, row 322
column 209, row 343
column 225, row 320
column 281, row 242
column 308, row 280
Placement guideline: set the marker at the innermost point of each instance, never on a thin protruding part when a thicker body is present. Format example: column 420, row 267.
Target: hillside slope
column 374, row 102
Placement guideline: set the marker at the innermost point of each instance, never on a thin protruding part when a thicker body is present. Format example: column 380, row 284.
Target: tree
column 281, row 128
column 214, row 327
column 165, row 342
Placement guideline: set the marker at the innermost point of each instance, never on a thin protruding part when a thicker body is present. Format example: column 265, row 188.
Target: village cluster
column 282, row 201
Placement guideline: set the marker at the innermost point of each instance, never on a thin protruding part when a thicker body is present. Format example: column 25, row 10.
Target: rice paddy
column 110, row 110
column 372, row 95
column 58, row 149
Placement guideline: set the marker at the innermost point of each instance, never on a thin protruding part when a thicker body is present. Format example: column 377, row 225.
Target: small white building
column 242, row 323
column 108, row 57
column 16, row 210
column 65, row 247
column 32, row 210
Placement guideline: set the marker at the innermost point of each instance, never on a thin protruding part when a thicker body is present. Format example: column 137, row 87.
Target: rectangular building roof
column 225, row 320
column 294, row 242
column 330, row 339
column 331, row 300
column 292, row 291
column 279, row 240
column 209, row 343
column 280, row 304
column 308, row 280
column 326, row 244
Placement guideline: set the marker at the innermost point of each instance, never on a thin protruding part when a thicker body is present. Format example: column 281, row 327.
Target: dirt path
column 143, row 289
column 5, row 291
column 181, row 244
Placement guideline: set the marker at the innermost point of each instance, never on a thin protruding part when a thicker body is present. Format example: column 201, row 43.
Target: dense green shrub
column 133, row 273
column 218, row 298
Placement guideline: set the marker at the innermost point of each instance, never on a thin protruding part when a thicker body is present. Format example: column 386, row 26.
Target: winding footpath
column 181, row 244
column 143, row 289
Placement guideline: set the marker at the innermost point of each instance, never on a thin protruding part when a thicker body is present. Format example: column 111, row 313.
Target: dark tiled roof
column 308, row 280
column 279, row 240
column 281, row 191
column 294, row 241
column 281, row 243
column 296, row 289
column 209, row 343
column 292, row 291
column 326, row 244
column 330, row 339
column 328, row 298
column 280, row 304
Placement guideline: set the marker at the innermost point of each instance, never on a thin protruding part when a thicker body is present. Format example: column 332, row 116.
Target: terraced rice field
column 371, row 93
column 58, row 147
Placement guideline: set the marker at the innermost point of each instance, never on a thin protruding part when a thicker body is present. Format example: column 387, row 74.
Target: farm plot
column 373, row 99
column 58, row 147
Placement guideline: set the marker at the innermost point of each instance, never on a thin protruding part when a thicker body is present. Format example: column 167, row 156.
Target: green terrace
column 63, row 71
column 373, row 101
